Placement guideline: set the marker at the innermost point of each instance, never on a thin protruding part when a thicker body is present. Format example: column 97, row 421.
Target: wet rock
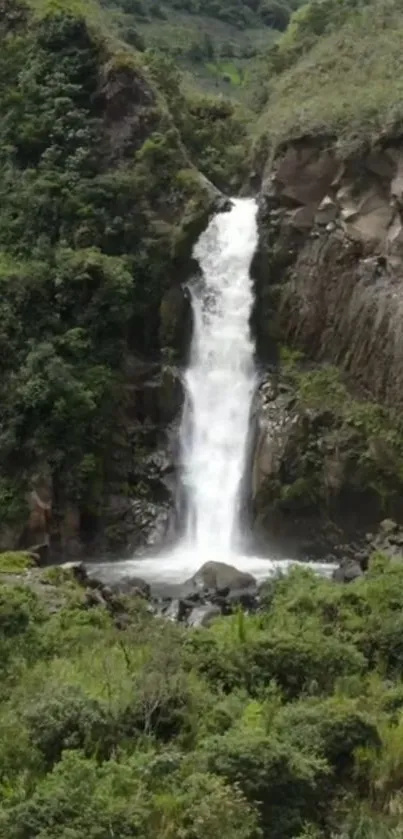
column 134, row 586
column 327, row 211
column 172, row 612
column 219, row 575
column 178, row 610
column 348, row 571
column 203, row 615
column 40, row 553
column 249, row 600
column 388, row 527
column 78, row 571
column 136, row 524
column 176, row 321
column 94, row 598
column 171, row 394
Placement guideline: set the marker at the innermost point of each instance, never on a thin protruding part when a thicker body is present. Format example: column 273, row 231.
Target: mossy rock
column 15, row 562
column 58, row 576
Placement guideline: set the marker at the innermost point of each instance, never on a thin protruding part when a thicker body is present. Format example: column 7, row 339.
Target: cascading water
column 219, row 385
column 219, row 382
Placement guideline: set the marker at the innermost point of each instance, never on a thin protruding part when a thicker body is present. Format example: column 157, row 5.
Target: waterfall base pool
column 166, row 570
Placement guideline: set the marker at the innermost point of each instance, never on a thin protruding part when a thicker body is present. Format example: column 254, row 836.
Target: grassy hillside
column 338, row 69
column 214, row 42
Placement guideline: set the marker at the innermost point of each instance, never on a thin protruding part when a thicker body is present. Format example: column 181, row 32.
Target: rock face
column 331, row 259
column 139, row 509
column 285, row 504
column 318, row 478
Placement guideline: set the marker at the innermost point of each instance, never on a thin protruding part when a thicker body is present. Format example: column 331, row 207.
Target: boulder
column 78, row 571
column 134, row 586
column 40, row 553
column 348, row 570
column 219, row 575
column 248, row 599
column 203, row 615
column 388, row 527
column 305, row 173
column 178, row 610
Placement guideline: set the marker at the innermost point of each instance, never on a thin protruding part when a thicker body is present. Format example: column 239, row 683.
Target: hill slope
column 337, row 70
column 99, row 205
column 214, row 43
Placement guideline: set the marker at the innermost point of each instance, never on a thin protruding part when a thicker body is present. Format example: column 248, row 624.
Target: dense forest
column 99, row 197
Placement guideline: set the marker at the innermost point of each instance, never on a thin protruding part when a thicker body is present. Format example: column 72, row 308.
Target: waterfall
column 219, row 382
column 219, row 385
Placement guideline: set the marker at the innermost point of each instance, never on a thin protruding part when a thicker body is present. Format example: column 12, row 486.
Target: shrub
column 68, row 719
column 15, row 562
column 284, row 783
column 333, row 729
column 80, row 797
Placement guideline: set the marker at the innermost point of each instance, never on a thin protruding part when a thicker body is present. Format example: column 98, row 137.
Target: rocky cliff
column 328, row 284
column 332, row 248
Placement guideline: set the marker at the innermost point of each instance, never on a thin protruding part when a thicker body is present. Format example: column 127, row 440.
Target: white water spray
column 219, row 382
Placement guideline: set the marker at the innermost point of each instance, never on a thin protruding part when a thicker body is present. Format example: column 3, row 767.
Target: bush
column 300, row 659
column 333, row 729
column 283, row 782
column 68, row 719
column 15, row 562
column 81, row 798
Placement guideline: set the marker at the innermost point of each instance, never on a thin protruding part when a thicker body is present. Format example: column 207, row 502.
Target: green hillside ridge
column 337, row 71
column 215, row 43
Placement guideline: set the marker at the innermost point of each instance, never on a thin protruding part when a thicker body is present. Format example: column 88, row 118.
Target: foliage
column 212, row 128
column 85, row 249
column 215, row 43
column 15, row 562
column 335, row 71
column 341, row 446
column 168, row 733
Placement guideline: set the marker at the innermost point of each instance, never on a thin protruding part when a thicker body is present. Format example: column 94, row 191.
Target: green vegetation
column 337, row 70
column 283, row 724
column 15, row 562
column 341, row 450
column 215, row 43
column 100, row 202
column 214, row 129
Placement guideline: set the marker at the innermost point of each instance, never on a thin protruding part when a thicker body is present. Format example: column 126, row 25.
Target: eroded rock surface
column 331, row 261
column 321, row 476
